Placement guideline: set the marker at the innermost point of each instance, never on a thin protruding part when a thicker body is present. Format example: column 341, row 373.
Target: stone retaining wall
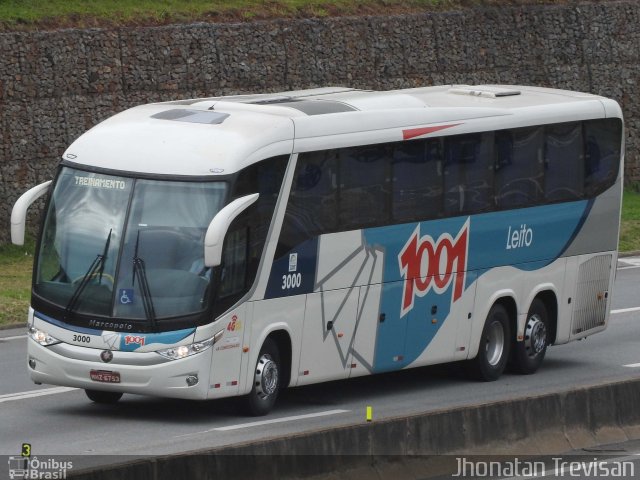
column 55, row 85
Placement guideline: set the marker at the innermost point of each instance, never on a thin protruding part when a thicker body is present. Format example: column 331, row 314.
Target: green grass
column 630, row 227
column 50, row 14
column 15, row 282
column 21, row 14
column 16, row 263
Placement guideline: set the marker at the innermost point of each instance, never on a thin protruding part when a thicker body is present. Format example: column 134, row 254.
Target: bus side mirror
column 218, row 227
column 19, row 212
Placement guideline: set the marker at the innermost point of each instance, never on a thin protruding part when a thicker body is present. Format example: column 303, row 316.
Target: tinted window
column 359, row 187
column 417, row 180
column 363, row 186
column 313, row 203
column 247, row 234
column 564, row 162
column 602, row 154
column 468, row 173
column 518, row 167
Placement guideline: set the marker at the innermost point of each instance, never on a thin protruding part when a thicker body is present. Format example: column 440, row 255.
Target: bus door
column 435, row 330
column 329, row 323
column 461, row 316
column 331, row 313
column 391, row 329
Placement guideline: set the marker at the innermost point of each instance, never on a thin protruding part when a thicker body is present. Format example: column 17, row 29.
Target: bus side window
column 364, row 186
column 313, row 202
column 564, row 162
column 246, row 237
column 468, row 173
column 602, row 154
column 234, row 261
column 519, row 167
column 417, row 180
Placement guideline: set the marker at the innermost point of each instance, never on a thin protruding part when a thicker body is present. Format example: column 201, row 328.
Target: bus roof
column 221, row 135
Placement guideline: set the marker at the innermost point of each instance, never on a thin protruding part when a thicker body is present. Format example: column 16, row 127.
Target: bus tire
column 266, row 381
column 529, row 353
column 493, row 351
column 99, row 396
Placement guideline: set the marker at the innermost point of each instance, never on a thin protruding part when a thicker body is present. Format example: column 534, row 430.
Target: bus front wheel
column 529, row 353
column 266, row 381
column 103, row 397
column 493, row 351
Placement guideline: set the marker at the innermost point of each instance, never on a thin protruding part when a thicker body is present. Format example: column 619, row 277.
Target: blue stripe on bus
column 165, row 338
column 527, row 239
column 66, row 326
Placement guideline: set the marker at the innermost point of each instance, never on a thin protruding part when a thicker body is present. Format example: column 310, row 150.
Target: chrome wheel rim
column 535, row 335
column 266, row 378
column 494, row 343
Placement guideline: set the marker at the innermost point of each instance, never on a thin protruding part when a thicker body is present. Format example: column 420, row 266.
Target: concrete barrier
column 412, row 447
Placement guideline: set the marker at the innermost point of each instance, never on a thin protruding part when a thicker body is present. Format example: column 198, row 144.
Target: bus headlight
column 42, row 337
column 176, row 353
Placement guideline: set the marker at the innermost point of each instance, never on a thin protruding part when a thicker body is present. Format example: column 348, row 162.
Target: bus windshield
column 99, row 226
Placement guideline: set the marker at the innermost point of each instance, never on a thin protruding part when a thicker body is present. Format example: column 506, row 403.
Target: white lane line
column 10, row 397
column 266, row 422
column 278, row 420
column 625, row 310
column 632, row 365
column 16, row 337
column 628, row 268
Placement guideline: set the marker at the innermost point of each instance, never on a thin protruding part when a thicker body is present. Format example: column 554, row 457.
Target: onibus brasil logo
column 25, row 466
column 427, row 264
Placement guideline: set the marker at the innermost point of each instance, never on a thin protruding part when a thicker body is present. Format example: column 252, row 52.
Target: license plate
column 105, row 376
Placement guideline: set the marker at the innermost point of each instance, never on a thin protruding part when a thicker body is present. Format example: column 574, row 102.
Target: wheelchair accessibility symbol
column 126, row 296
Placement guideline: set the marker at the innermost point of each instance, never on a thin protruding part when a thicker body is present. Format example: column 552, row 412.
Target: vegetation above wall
column 53, row 14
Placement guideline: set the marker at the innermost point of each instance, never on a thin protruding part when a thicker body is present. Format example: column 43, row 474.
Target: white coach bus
column 234, row 246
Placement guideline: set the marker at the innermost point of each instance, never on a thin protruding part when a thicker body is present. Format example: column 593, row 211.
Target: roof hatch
column 484, row 91
column 310, row 107
column 192, row 116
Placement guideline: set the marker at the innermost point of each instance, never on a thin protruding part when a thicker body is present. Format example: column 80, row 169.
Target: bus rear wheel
column 99, row 396
column 266, row 384
column 529, row 353
column 493, row 351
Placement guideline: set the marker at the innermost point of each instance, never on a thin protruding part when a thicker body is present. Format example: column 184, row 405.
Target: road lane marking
column 625, row 310
column 10, row 397
column 628, row 268
column 266, row 422
column 632, row 365
column 278, row 420
column 16, row 337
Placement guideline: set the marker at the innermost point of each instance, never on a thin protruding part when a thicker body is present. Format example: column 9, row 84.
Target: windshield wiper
column 140, row 272
column 98, row 263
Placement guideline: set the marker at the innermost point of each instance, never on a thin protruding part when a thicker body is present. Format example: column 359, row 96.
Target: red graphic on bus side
column 426, row 264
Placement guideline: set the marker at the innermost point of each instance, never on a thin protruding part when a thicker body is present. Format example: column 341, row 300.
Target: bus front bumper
column 139, row 373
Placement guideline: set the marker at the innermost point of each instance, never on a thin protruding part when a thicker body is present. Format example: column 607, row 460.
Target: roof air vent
column 483, row 91
column 192, row 116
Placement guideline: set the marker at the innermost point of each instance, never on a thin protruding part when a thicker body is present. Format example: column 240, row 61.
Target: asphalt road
column 59, row 421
